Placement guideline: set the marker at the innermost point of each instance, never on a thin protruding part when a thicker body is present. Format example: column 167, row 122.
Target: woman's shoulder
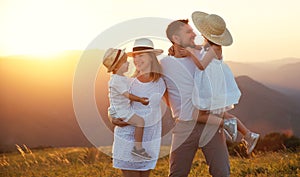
column 166, row 58
column 162, row 84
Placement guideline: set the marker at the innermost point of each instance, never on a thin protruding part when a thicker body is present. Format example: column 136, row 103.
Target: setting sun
column 43, row 27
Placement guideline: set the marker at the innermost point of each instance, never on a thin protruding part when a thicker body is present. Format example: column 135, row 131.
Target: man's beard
column 185, row 45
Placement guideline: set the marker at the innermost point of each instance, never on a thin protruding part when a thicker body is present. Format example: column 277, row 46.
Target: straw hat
column 112, row 57
column 213, row 27
column 144, row 45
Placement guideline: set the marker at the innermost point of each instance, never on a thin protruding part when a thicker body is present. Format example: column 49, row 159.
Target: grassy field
column 91, row 162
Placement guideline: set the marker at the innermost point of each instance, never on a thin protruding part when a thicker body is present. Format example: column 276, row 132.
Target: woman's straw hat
column 212, row 27
column 112, row 57
column 143, row 45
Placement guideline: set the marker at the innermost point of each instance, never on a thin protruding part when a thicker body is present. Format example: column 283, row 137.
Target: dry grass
column 92, row 162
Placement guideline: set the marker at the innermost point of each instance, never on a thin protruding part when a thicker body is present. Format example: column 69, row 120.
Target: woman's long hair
column 156, row 70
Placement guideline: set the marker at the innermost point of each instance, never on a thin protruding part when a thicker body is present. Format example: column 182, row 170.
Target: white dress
column 124, row 136
column 215, row 88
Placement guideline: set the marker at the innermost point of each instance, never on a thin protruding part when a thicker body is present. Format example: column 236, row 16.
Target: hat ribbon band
column 217, row 36
column 116, row 58
column 141, row 48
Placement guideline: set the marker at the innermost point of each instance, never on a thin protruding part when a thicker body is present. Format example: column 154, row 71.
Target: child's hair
column 211, row 43
column 174, row 27
column 156, row 70
column 119, row 63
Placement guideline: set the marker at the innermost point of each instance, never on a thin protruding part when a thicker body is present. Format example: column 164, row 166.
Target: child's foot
column 230, row 128
column 250, row 141
column 141, row 153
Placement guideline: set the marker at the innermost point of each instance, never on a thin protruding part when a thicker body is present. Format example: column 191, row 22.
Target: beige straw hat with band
column 212, row 27
column 143, row 45
column 112, row 57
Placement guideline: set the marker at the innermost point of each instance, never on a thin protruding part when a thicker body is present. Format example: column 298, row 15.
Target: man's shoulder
column 166, row 58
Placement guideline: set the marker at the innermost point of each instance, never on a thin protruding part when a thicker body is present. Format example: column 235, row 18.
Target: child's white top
column 119, row 104
column 214, row 87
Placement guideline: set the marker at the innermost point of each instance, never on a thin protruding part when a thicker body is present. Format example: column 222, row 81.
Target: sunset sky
column 262, row 30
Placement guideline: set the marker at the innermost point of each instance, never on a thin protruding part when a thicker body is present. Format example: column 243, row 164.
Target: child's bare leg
column 240, row 126
column 205, row 117
column 139, row 124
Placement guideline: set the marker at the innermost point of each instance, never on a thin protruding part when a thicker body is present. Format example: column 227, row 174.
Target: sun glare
column 44, row 27
column 36, row 53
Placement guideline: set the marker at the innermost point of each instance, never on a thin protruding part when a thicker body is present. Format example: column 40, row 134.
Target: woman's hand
column 145, row 101
column 119, row 122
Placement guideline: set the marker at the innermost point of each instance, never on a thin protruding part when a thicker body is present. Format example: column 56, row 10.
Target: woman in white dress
column 146, row 82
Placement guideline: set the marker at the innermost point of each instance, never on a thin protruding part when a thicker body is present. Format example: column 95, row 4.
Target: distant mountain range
column 36, row 100
column 265, row 110
column 281, row 75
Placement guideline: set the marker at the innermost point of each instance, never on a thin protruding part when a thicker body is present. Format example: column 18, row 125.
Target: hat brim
column 199, row 21
column 155, row 51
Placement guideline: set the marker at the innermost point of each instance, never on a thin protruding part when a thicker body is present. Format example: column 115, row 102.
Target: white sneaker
column 230, row 128
column 250, row 141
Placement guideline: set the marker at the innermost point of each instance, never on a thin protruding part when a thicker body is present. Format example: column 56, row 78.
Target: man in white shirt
column 188, row 134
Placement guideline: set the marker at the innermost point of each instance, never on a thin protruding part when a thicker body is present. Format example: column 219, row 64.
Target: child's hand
column 179, row 51
column 190, row 51
column 145, row 101
column 198, row 47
